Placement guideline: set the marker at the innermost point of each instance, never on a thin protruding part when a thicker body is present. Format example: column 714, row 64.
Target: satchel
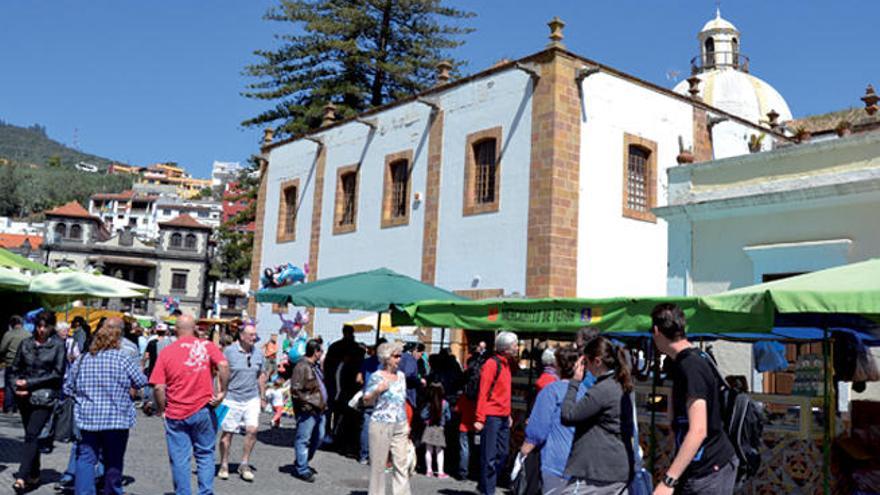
column 63, row 416
column 527, row 480
column 44, row 397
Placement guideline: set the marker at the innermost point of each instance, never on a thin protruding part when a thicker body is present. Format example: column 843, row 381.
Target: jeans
column 494, row 444
column 111, row 445
column 464, row 454
column 70, row 472
column 365, row 436
column 33, row 418
column 581, row 487
column 720, row 482
column 309, row 432
column 9, row 391
column 186, row 436
column 552, row 483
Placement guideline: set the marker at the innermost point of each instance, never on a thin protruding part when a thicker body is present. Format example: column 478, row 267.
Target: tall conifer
column 356, row 54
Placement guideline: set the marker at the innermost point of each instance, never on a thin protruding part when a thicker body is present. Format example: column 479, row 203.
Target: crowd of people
column 390, row 406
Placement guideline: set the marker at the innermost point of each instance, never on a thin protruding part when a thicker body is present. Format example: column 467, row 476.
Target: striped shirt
column 100, row 384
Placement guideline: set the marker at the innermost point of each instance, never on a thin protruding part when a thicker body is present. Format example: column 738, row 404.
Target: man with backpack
column 492, row 419
column 705, row 460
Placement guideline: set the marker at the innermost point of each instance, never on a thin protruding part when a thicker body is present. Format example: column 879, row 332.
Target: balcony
column 718, row 60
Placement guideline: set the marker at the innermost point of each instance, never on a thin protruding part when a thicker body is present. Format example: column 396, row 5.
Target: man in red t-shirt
column 184, row 391
column 492, row 419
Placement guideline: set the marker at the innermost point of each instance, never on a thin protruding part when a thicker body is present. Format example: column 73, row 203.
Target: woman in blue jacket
column 545, row 430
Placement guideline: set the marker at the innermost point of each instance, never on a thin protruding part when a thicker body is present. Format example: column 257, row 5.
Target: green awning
column 67, row 285
column 13, row 280
column 621, row 314
column 12, row 260
column 848, row 289
column 375, row 290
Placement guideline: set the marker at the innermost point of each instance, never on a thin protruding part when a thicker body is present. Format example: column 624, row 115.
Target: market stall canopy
column 375, row 290
column 368, row 324
column 11, row 279
column 849, row 293
column 621, row 314
column 12, row 260
column 68, row 285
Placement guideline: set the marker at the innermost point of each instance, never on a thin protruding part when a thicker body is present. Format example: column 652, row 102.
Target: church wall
column 619, row 255
column 490, row 245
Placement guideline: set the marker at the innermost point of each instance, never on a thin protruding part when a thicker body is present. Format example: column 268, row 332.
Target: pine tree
column 356, row 54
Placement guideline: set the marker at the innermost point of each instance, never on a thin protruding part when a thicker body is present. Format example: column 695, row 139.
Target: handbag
column 528, row 478
column 44, row 397
column 63, row 416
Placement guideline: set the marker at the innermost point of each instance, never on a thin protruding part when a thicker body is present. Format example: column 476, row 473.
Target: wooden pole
column 378, row 326
column 829, row 414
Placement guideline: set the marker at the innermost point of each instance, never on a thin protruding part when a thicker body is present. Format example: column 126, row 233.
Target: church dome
column 725, row 81
column 718, row 23
column 739, row 93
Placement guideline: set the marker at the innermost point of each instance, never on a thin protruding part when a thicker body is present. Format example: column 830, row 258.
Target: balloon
column 297, row 349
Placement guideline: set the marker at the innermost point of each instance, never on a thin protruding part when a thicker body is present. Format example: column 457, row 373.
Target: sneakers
column 308, row 478
column 363, row 462
column 223, row 473
column 245, row 472
column 429, row 473
column 443, row 476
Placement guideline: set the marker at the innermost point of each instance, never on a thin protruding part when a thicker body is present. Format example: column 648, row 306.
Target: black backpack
column 744, row 421
column 471, row 387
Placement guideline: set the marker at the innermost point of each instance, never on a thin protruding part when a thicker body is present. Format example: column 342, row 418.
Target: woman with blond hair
column 389, row 430
column 100, row 382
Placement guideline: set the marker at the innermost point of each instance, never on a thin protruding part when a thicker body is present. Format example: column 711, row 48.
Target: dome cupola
column 719, row 47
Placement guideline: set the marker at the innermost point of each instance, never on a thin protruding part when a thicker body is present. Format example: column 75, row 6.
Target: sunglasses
column 248, row 361
column 396, row 356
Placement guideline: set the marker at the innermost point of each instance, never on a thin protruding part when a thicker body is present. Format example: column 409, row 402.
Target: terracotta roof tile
column 72, row 209
column 13, row 241
column 185, row 221
column 827, row 122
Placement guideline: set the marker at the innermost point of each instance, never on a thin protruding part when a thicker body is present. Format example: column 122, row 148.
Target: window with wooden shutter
column 288, row 207
column 639, row 178
column 483, row 172
column 345, row 215
column 396, row 190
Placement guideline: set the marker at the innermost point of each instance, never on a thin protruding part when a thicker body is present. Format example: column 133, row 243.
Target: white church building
column 535, row 177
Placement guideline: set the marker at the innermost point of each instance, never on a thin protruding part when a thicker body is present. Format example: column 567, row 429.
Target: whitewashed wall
column 618, row 255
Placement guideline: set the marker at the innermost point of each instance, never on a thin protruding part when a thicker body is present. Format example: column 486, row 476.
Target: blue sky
column 159, row 81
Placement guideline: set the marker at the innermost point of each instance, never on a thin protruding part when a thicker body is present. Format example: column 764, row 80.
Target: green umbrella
column 375, row 290
column 620, row 314
column 847, row 289
column 12, row 260
column 68, row 285
column 13, row 280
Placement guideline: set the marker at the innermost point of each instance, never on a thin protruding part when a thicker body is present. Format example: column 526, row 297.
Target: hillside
column 30, row 146
column 38, row 173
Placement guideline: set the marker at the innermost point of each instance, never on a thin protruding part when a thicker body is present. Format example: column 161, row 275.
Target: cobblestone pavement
column 147, row 471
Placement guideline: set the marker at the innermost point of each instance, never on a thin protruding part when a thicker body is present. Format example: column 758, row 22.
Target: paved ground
column 147, row 471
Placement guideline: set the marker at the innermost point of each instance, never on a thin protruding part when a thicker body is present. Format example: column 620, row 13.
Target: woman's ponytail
column 622, row 372
column 614, row 358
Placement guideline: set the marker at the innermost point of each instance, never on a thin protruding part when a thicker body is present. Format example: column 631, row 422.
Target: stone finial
column 329, row 114
column 694, row 86
column 556, row 24
column 268, row 136
column 443, row 69
column 870, row 100
column 773, row 119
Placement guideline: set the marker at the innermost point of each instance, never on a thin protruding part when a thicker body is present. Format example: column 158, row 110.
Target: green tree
column 234, row 244
column 356, row 54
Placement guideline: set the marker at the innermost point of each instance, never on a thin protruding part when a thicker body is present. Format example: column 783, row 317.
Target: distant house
column 175, row 265
column 27, row 245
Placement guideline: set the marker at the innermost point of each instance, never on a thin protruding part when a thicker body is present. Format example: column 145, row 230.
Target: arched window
column 709, row 55
column 76, row 231
column 60, row 231
column 176, row 240
column 190, row 241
